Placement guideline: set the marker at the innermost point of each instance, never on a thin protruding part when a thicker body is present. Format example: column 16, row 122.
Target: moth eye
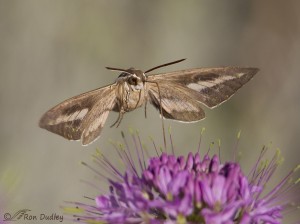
column 132, row 80
column 123, row 74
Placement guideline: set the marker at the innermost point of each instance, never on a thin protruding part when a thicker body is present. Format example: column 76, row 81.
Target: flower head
column 175, row 189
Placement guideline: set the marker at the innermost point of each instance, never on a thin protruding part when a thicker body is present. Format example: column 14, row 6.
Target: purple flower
column 171, row 189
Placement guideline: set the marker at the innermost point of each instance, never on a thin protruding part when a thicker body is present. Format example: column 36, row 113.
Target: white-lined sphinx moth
column 178, row 95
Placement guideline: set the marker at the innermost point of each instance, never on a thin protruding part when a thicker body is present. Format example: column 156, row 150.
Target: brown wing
column 210, row 86
column 74, row 116
column 176, row 104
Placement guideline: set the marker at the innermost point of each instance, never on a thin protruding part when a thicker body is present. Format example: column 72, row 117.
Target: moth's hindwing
column 210, row 86
column 82, row 116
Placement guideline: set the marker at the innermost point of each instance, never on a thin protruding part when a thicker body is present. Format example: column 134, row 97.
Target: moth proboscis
column 178, row 95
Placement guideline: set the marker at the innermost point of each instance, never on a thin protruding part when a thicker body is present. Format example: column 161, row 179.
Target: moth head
column 136, row 76
column 133, row 80
column 132, row 77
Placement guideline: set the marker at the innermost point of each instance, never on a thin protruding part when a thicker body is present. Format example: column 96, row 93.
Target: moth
column 178, row 95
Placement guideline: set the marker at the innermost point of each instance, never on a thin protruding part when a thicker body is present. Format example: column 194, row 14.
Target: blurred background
column 51, row 50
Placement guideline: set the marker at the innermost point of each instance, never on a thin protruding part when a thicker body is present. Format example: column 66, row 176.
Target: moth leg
column 116, row 120
column 146, row 101
column 121, row 111
column 161, row 112
column 119, row 119
column 137, row 103
column 146, row 108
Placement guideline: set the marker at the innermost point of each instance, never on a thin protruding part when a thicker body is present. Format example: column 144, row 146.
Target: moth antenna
column 164, row 65
column 161, row 113
column 117, row 69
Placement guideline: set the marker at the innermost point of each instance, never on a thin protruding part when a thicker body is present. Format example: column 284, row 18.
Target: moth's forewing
column 93, row 123
column 210, row 86
column 70, row 118
column 175, row 103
